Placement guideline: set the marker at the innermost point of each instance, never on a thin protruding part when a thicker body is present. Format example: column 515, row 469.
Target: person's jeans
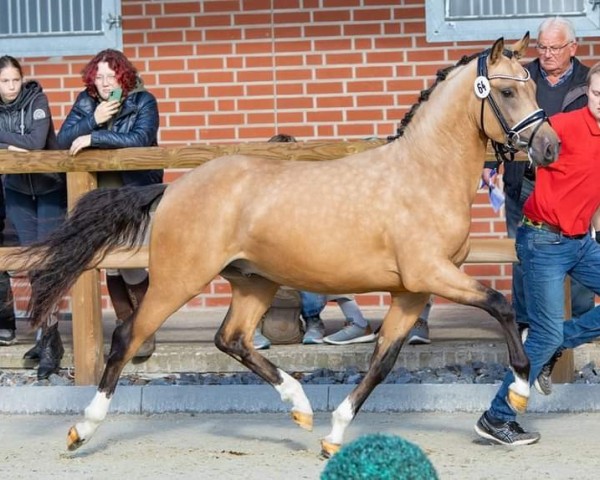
column 582, row 299
column 546, row 259
column 35, row 217
column 312, row 304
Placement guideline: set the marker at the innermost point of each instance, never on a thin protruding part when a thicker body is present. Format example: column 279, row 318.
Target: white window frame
column 45, row 44
column 442, row 29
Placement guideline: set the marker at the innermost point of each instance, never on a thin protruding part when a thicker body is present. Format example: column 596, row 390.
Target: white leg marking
column 291, row 390
column 95, row 413
column 520, row 386
column 340, row 419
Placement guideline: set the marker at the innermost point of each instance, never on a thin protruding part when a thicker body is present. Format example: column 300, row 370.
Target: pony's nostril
column 551, row 151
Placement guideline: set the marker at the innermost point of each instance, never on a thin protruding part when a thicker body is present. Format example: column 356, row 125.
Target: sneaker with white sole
column 7, row 337
column 419, row 333
column 260, row 342
column 543, row 382
column 351, row 334
column 315, row 330
column 504, row 433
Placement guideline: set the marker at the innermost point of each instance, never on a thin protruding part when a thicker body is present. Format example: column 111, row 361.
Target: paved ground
column 270, row 447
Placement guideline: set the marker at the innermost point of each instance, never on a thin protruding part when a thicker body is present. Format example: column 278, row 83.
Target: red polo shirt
column 567, row 193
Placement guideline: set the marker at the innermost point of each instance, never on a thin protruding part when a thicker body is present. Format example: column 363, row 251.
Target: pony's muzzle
column 544, row 147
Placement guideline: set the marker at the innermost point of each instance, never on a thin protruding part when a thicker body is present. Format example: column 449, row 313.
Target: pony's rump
column 102, row 220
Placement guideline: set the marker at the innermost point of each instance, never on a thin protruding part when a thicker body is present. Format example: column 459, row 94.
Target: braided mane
column 441, row 75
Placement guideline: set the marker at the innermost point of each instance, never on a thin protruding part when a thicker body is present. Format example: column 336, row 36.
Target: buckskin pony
column 374, row 221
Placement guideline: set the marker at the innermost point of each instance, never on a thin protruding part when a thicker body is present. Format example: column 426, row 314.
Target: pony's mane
column 440, row 76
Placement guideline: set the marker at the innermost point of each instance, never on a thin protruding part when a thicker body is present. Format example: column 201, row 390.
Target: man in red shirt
column 552, row 242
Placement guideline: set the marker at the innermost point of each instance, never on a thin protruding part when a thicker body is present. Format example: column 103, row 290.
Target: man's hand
column 105, row 111
column 80, row 143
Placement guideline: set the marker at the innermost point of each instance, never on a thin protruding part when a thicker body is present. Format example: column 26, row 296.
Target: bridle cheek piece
column 505, row 152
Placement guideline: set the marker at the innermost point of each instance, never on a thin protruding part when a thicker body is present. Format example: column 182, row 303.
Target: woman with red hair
column 115, row 111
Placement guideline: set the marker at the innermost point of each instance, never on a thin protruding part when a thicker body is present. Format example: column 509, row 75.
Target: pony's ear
column 520, row 47
column 497, row 50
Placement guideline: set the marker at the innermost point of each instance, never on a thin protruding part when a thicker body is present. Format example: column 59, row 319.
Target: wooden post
column 564, row 368
column 88, row 338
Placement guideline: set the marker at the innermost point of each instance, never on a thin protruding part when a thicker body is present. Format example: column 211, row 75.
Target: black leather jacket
column 27, row 123
column 135, row 125
column 575, row 98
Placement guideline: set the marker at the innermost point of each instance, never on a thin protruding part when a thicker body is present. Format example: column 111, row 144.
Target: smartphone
column 115, row 95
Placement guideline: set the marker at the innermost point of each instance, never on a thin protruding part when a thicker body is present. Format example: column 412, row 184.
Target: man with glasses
column 561, row 87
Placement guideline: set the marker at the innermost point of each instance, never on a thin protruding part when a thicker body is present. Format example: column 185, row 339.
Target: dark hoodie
column 27, row 123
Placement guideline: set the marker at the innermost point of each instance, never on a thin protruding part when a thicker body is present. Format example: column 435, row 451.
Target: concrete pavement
column 269, row 446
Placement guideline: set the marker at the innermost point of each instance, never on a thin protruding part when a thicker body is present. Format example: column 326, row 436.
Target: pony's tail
column 102, row 220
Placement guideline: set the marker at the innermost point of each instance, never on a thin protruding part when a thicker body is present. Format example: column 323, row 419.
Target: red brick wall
column 242, row 70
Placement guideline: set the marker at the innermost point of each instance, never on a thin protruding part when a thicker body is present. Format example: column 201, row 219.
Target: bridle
column 506, row 151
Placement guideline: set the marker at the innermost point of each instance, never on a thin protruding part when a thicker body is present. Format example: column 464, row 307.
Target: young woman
column 35, row 203
column 116, row 111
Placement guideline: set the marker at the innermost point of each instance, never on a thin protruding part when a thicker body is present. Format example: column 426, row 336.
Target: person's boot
column 34, row 352
column 8, row 326
column 136, row 295
column 51, row 352
column 119, row 296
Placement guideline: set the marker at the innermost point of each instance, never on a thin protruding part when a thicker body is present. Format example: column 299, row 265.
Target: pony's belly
column 336, row 280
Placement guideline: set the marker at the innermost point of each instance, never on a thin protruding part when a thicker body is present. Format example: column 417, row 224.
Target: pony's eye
column 507, row 93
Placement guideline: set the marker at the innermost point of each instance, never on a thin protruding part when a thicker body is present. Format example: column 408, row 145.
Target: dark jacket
column 575, row 97
column 135, row 125
column 27, row 123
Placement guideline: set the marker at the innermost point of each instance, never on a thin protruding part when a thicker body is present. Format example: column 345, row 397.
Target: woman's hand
column 80, row 143
column 105, row 111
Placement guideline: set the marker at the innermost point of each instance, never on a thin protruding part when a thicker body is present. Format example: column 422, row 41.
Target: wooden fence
column 88, row 341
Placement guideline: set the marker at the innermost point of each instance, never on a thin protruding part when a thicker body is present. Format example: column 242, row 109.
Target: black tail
column 102, row 220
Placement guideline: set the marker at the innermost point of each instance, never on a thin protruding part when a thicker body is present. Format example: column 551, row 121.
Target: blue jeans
column 35, row 217
column 312, row 304
column 582, row 299
column 547, row 258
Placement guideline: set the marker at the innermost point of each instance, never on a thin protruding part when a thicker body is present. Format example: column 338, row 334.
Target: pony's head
column 510, row 115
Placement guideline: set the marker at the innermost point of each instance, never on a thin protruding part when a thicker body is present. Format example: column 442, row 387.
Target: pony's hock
column 212, row 221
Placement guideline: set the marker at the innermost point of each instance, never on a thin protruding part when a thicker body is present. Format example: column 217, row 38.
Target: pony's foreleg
column 449, row 282
column 94, row 414
column 126, row 340
column 250, row 300
column 519, row 390
column 396, row 324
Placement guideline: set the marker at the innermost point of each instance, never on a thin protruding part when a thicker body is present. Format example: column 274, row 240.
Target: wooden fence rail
column 81, row 177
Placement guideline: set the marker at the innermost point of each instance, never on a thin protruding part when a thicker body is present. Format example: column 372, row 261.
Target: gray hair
column 560, row 22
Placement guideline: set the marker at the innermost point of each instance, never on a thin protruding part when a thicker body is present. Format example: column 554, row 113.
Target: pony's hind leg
column 400, row 318
column 250, row 300
column 157, row 306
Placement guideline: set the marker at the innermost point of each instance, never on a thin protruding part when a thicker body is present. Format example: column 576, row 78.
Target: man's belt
column 549, row 228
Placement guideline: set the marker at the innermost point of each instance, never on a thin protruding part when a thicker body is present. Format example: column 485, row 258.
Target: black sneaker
column 504, row 433
column 543, row 382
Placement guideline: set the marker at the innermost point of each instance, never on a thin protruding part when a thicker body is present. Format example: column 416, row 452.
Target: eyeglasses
column 107, row 78
column 552, row 50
